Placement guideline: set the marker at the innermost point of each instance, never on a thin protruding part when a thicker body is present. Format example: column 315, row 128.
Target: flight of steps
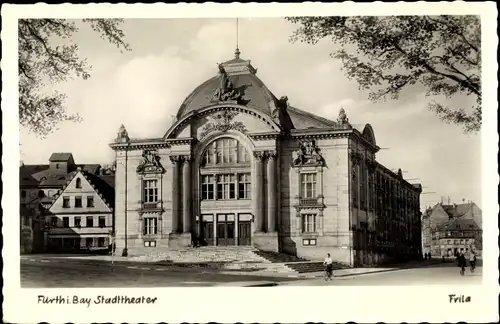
column 275, row 257
column 305, row 267
column 202, row 255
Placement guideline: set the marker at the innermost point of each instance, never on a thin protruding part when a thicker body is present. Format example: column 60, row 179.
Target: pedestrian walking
column 462, row 263
column 472, row 261
column 329, row 267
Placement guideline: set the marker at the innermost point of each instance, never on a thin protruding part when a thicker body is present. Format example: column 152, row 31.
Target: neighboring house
column 38, row 186
column 241, row 167
column 449, row 229
column 81, row 216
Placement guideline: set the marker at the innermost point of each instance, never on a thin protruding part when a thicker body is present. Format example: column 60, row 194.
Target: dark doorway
column 207, row 236
column 225, row 229
column 244, row 233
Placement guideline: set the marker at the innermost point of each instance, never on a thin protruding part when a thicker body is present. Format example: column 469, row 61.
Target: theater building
column 242, row 167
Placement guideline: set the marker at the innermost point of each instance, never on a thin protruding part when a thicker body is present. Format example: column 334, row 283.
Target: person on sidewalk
column 329, row 267
column 472, row 261
column 462, row 262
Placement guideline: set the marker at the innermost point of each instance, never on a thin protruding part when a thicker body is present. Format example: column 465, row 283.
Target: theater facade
column 242, row 167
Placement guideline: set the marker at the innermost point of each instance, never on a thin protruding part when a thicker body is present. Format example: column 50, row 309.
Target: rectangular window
column 65, row 202
column 150, row 226
column 89, row 242
column 101, row 242
column 309, row 242
column 308, row 185
column 149, row 243
column 102, row 221
column 207, row 187
column 78, row 221
column 309, row 223
column 150, row 191
column 90, row 201
column 244, row 186
column 66, row 222
column 53, row 222
column 90, row 221
column 226, row 186
column 78, row 202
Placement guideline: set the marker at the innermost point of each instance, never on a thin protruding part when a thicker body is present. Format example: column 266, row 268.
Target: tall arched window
column 78, row 182
column 218, row 183
column 225, row 151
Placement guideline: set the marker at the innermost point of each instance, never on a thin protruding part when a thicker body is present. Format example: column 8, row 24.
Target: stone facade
column 449, row 229
column 242, row 167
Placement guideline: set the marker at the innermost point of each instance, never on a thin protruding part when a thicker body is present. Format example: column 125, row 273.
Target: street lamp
column 125, row 249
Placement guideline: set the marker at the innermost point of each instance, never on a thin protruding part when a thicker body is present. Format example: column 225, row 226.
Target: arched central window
column 225, row 151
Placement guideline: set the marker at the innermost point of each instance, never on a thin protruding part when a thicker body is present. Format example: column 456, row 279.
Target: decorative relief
column 150, row 163
column 356, row 157
column 176, row 158
column 372, row 165
column 226, row 90
column 308, row 155
column 260, row 155
column 222, row 122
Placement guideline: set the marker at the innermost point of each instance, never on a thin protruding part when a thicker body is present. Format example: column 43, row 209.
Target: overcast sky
column 144, row 88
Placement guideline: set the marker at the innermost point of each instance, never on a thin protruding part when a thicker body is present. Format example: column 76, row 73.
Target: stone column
column 271, row 192
column 298, row 222
column 175, row 193
column 186, row 179
column 259, row 190
column 321, row 222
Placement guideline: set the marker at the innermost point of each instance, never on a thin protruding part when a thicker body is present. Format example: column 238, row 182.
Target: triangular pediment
column 84, row 190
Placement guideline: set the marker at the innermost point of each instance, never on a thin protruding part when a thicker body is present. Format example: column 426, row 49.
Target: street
column 52, row 273
column 49, row 273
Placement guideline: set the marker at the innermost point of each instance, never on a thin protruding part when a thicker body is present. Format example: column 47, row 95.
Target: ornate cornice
column 181, row 141
column 319, row 134
column 133, row 146
column 264, row 136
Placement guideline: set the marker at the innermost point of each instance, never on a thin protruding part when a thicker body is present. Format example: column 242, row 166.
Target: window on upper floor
column 308, row 185
column 78, row 221
column 150, row 192
column 225, row 151
column 226, row 186
column 78, row 201
column 208, row 187
column 53, row 222
column 90, row 201
column 90, row 221
column 66, row 222
column 244, row 186
column 78, row 183
column 41, row 194
column 102, row 221
column 66, row 203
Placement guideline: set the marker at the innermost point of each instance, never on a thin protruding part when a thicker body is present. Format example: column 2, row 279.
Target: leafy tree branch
column 388, row 54
column 41, row 63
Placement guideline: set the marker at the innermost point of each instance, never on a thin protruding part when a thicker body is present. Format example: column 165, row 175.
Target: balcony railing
column 151, row 205
column 309, row 201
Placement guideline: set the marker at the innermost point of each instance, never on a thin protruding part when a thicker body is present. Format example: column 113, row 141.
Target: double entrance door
column 225, row 230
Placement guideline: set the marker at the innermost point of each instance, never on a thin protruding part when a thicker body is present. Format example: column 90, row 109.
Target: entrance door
column 244, row 232
column 225, row 229
column 208, row 233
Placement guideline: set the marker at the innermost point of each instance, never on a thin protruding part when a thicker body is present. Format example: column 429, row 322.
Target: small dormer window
column 78, row 183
